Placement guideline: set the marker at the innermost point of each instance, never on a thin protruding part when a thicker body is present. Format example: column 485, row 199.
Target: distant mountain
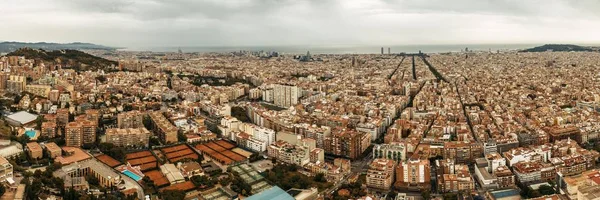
column 12, row 46
column 559, row 47
column 72, row 59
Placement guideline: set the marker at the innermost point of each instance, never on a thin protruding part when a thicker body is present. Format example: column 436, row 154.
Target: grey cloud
column 299, row 22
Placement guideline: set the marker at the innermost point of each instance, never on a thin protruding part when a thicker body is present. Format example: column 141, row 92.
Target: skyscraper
column 381, row 50
column 389, row 51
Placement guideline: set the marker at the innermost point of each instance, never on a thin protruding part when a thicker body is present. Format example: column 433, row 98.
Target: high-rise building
column 89, row 131
column 413, row 174
column 381, row 174
column 62, row 117
column 381, row 50
column 347, row 143
column 138, row 137
column 286, row 95
column 131, row 119
column 16, row 84
column 389, row 51
column 74, row 134
column 3, row 78
column 48, row 129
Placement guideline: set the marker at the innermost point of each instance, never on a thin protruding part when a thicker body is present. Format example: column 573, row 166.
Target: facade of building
column 53, row 150
column 131, row 119
column 38, row 90
column 35, row 150
column 74, row 134
column 88, row 129
column 286, row 95
column 393, row 151
column 413, row 175
column 48, row 129
column 138, row 137
column 380, row 174
column 6, row 169
column 166, row 131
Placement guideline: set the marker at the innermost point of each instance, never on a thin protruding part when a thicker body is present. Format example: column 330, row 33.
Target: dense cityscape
column 269, row 125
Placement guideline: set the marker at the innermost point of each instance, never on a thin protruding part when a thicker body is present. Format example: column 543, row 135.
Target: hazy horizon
column 147, row 23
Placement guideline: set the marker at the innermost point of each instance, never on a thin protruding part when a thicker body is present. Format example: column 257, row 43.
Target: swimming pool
column 30, row 133
column 132, row 175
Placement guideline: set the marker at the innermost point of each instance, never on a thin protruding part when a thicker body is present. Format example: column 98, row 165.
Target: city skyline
column 139, row 24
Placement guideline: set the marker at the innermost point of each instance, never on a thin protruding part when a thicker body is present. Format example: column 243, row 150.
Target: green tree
column 546, row 190
column 2, row 190
column 320, row 177
column 203, row 181
column 173, row 195
column 181, row 136
column 426, row 194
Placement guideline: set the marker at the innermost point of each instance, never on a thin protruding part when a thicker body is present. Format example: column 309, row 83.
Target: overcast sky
column 139, row 23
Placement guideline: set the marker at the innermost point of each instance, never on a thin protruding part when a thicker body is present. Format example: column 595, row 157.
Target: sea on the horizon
column 341, row 49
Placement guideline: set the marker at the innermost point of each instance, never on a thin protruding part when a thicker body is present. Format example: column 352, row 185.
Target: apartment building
column 286, row 95
column 166, row 131
column 288, row 153
column 394, row 151
column 413, row 175
column 380, row 174
column 35, row 150
column 138, row 137
column 53, row 150
column 38, row 90
column 48, row 129
column 16, row 84
column 463, row 151
column 131, row 119
column 348, row 143
column 62, row 117
column 6, row 169
column 88, row 129
column 74, row 134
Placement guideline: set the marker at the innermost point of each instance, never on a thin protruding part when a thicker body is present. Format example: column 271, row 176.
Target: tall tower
column 381, row 50
column 389, row 51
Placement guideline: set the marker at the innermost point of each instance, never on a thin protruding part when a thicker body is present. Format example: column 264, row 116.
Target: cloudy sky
column 139, row 23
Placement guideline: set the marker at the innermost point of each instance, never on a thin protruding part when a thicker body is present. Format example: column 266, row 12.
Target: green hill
column 12, row 46
column 72, row 59
column 558, row 47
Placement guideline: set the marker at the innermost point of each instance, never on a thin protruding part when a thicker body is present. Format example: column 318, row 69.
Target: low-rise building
column 35, row 150
column 6, row 170
column 172, row 173
column 53, row 150
column 138, row 137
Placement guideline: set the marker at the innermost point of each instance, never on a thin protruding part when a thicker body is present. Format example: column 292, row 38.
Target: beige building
column 166, row 131
column 381, row 174
column 128, row 137
column 105, row 175
column 48, row 129
column 74, row 134
column 88, row 129
column 131, row 119
column 35, row 150
column 6, row 170
column 62, row 116
column 53, row 150
column 38, row 90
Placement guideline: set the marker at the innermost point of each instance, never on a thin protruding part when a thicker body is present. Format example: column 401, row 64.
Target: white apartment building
column 286, row 95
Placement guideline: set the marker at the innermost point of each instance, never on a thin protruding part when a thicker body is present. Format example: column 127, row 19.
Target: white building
column 286, row 95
